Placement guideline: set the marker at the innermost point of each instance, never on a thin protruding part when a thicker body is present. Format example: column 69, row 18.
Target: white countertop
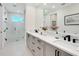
column 68, row 47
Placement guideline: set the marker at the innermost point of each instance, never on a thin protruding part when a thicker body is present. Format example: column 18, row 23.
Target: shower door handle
column 5, row 29
column 15, row 28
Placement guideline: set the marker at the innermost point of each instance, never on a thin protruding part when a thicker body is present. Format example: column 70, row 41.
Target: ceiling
column 49, row 6
column 15, row 7
column 20, row 7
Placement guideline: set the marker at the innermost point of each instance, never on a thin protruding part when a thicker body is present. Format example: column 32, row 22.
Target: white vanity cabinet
column 40, row 48
column 50, row 50
column 29, row 41
column 35, row 45
column 62, row 53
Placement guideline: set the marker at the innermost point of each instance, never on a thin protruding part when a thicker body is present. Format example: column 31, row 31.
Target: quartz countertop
column 71, row 48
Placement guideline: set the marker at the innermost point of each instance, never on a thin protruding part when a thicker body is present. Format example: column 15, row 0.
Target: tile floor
column 17, row 48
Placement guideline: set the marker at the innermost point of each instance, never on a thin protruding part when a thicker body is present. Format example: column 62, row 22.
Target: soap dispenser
column 69, row 38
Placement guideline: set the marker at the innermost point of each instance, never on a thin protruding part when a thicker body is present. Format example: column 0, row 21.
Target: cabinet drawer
column 30, row 41
column 37, row 50
column 62, row 53
column 39, row 42
column 35, row 46
column 33, row 50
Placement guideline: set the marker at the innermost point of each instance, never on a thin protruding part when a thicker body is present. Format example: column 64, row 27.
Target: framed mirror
column 72, row 19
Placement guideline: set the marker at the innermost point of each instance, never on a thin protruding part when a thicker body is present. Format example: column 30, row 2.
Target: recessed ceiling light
column 45, row 3
column 53, row 6
column 63, row 4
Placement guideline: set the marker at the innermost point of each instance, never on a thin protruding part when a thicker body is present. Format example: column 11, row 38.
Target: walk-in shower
column 15, row 27
column 15, row 21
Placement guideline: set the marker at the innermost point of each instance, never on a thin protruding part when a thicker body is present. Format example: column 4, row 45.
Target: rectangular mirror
column 72, row 19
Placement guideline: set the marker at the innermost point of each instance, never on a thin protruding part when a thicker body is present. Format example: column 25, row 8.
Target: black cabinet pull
column 33, row 50
column 39, row 48
column 74, row 40
column 33, row 43
column 38, row 40
column 55, row 52
column 58, row 53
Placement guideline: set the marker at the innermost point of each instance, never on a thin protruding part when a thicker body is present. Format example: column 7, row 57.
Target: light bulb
column 53, row 6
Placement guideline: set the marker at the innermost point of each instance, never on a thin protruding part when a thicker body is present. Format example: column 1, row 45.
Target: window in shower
column 17, row 19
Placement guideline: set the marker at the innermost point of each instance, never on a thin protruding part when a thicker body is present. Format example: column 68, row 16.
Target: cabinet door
column 59, row 52
column 39, row 50
column 39, row 47
column 35, row 45
column 27, row 39
column 50, row 50
column 30, row 41
column 62, row 53
column 65, row 54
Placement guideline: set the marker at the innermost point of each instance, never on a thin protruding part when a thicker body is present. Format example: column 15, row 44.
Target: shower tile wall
column 3, row 26
column 7, row 27
column 0, row 26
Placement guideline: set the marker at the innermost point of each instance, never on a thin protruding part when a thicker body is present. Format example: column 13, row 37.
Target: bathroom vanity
column 46, row 45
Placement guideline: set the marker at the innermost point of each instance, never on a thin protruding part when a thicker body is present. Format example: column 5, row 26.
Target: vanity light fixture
column 0, row 4
column 53, row 6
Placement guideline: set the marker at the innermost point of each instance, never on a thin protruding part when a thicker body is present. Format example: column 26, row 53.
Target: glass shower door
column 16, row 28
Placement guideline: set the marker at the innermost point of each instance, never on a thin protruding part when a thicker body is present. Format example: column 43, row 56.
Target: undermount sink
column 77, row 49
column 68, row 44
column 60, row 40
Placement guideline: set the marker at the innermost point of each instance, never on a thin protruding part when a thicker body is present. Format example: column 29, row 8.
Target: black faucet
column 67, row 37
column 74, row 40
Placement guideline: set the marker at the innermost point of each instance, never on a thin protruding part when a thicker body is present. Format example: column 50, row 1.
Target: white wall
column 34, row 18
column 60, row 18
column 39, row 18
column 67, row 11
column 30, row 18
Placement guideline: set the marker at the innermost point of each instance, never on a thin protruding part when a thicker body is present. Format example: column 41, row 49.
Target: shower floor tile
column 17, row 48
